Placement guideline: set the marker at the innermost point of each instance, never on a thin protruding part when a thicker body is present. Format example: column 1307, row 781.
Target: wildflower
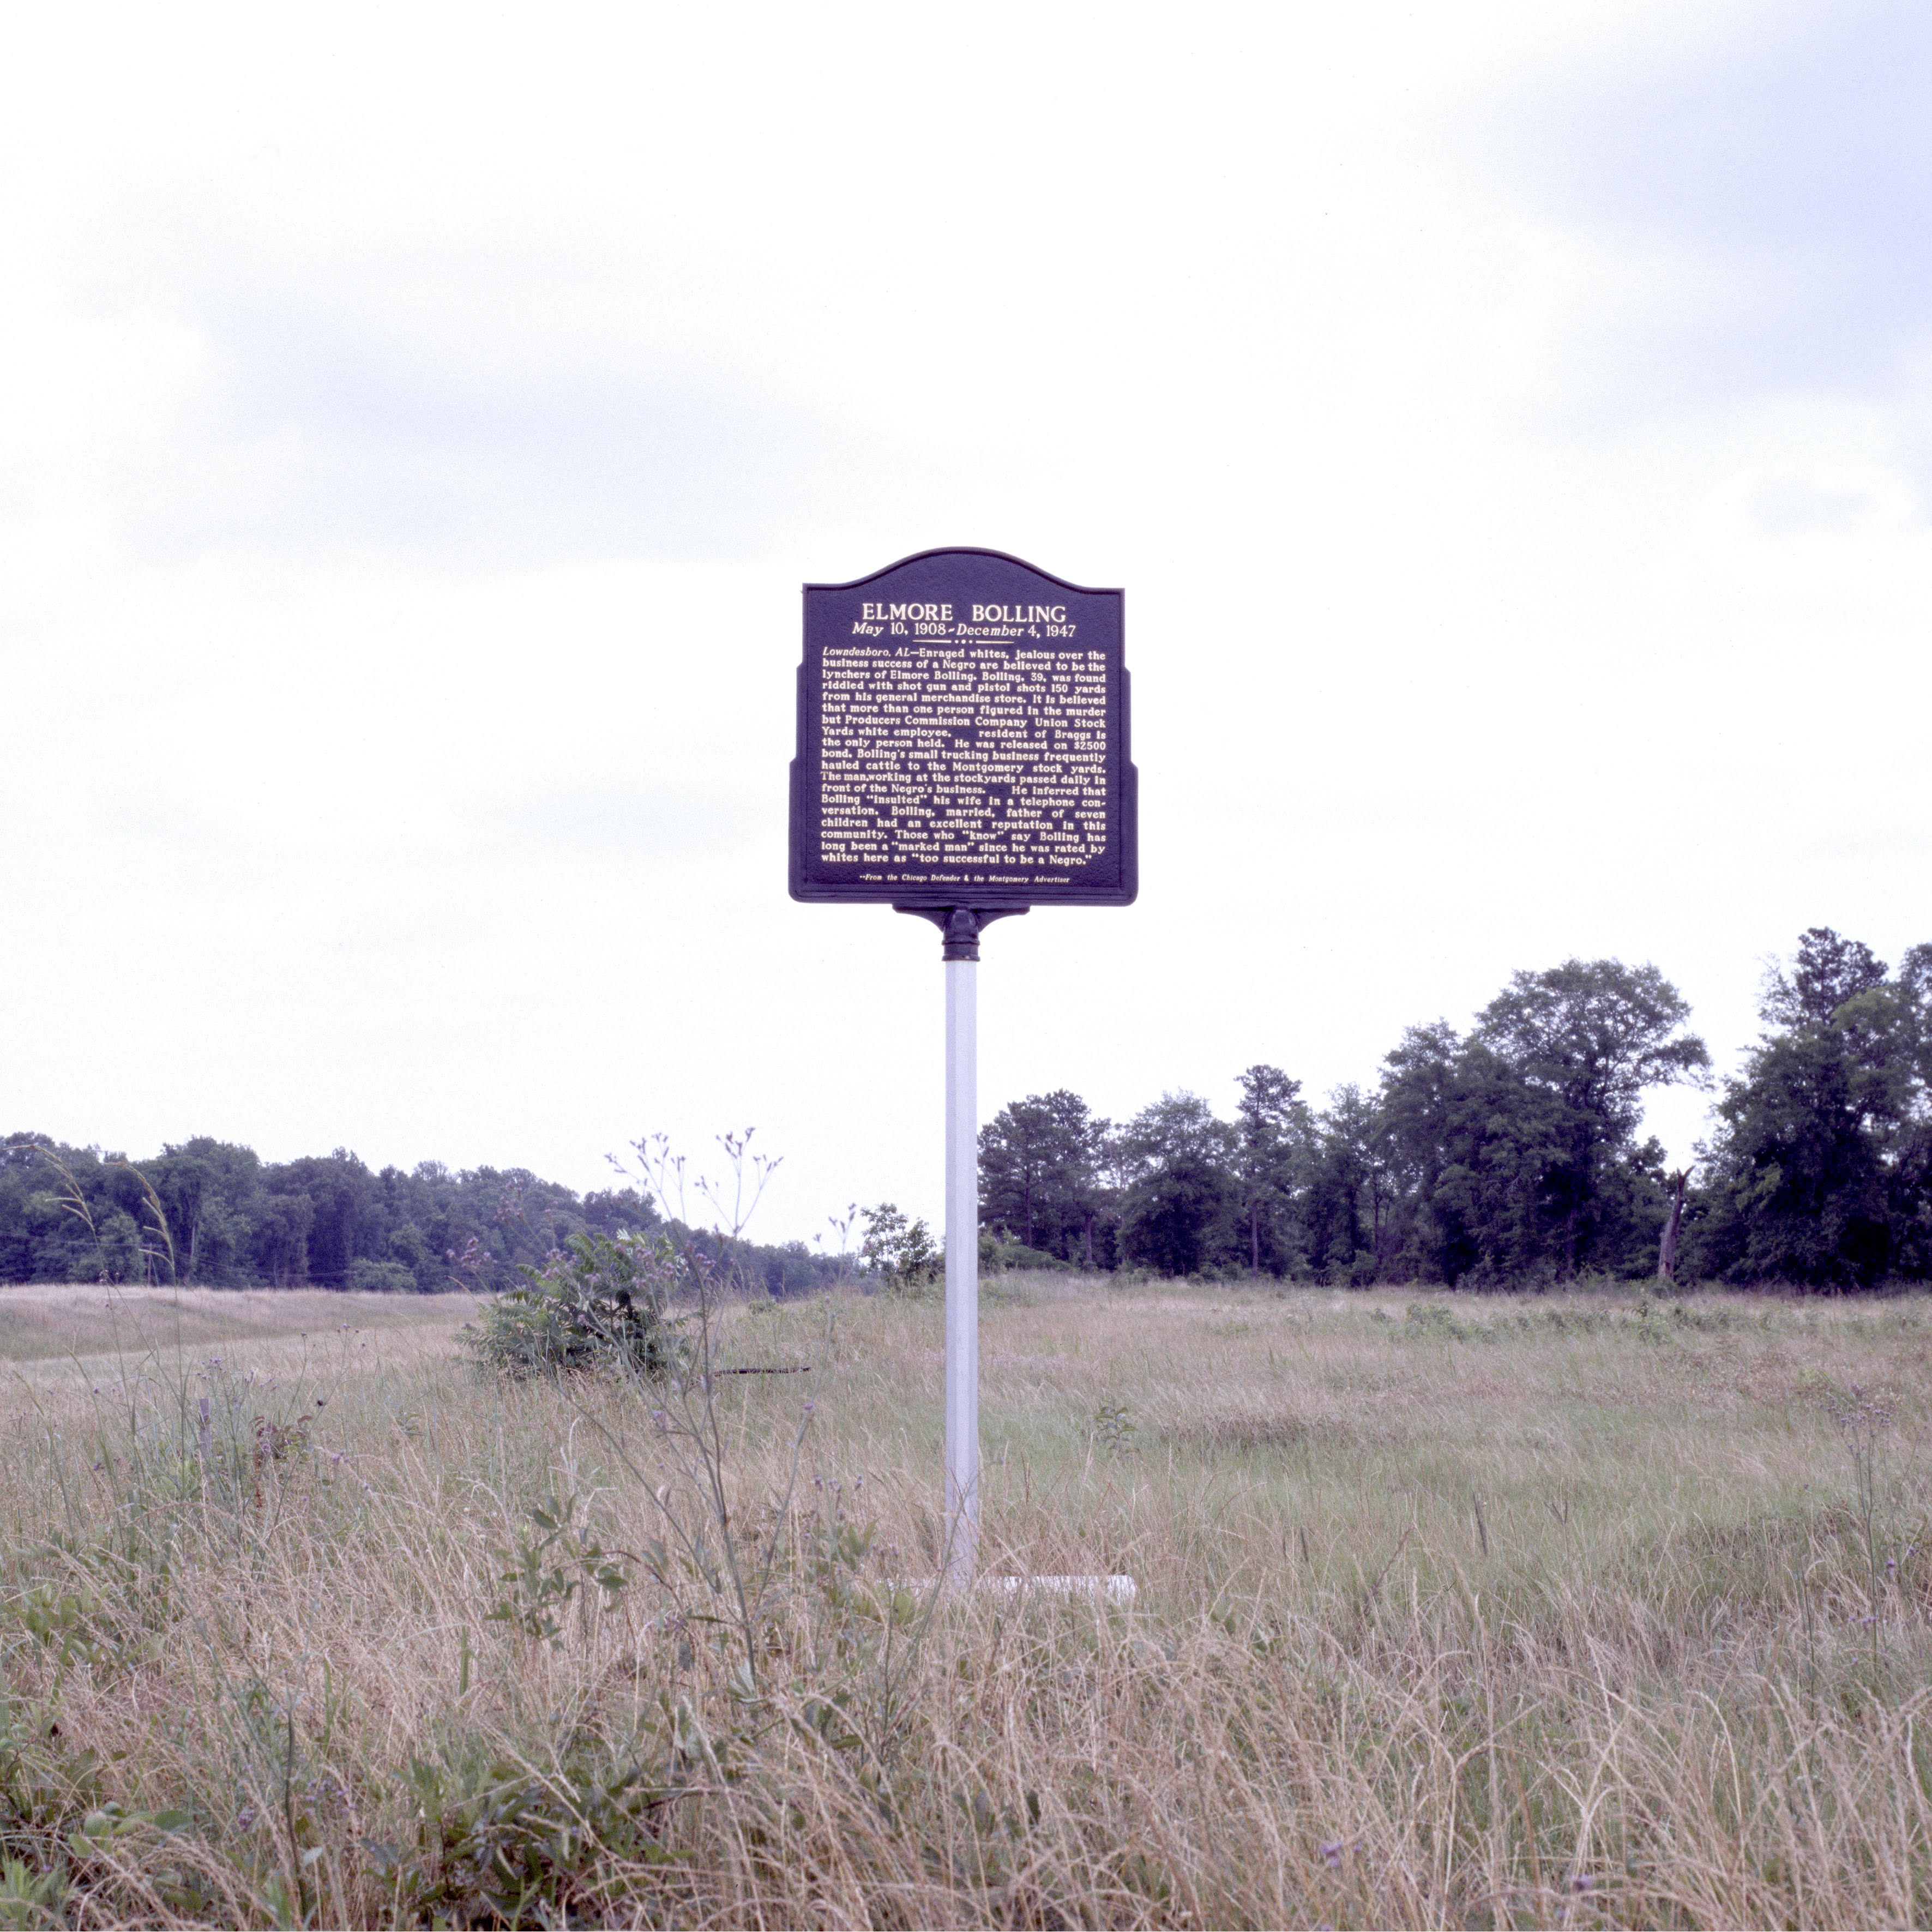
column 1331, row 1853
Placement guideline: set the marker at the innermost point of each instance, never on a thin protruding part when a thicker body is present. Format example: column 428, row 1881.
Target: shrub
column 370, row 1277
column 997, row 1254
column 900, row 1252
column 602, row 1300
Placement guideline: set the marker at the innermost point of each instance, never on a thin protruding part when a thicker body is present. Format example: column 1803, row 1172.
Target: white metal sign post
column 962, row 1267
column 961, row 928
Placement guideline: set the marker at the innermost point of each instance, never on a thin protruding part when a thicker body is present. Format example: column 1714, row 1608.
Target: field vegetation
column 1576, row 1608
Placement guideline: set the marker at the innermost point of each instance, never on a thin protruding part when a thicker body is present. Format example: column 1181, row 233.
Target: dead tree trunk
column 1666, row 1250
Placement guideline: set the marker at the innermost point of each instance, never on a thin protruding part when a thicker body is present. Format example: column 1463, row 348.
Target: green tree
column 409, row 1247
column 119, row 1242
column 347, row 1222
column 211, row 1191
column 1819, row 1170
column 1593, row 1036
column 1469, row 1142
column 1825, row 972
column 53, row 1198
column 900, row 1250
column 1513, row 1153
column 1040, row 1163
column 1349, row 1196
column 1273, row 1133
column 1181, row 1198
column 281, row 1241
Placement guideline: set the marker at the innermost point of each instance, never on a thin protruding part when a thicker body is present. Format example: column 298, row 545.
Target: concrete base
column 1110, row 1589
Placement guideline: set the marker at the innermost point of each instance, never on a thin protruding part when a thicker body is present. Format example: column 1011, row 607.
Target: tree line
column 1512, row 1154
column 212, row 1213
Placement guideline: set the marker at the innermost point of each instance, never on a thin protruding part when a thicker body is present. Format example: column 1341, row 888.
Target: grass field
column 1550, row 1610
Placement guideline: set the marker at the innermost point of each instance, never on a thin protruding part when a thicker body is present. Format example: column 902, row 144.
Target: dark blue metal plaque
column 962, row 740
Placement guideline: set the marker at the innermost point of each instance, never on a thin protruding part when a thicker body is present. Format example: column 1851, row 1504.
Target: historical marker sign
column 962, row 740
column 962, row 755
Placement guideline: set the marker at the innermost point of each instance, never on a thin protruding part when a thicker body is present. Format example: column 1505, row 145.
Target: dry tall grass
column 1552, row 1611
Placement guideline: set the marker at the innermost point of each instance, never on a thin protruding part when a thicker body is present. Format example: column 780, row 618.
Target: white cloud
column 1770, row 178
column 416, row 425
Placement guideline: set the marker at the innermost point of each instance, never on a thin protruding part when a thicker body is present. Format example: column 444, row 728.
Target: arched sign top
column 963, row 739
column 994, row 555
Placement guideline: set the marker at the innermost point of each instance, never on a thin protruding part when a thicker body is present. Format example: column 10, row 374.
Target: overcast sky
column 1511, row 423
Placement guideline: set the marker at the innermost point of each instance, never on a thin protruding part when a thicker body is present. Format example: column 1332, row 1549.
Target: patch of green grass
column 40, row 1323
